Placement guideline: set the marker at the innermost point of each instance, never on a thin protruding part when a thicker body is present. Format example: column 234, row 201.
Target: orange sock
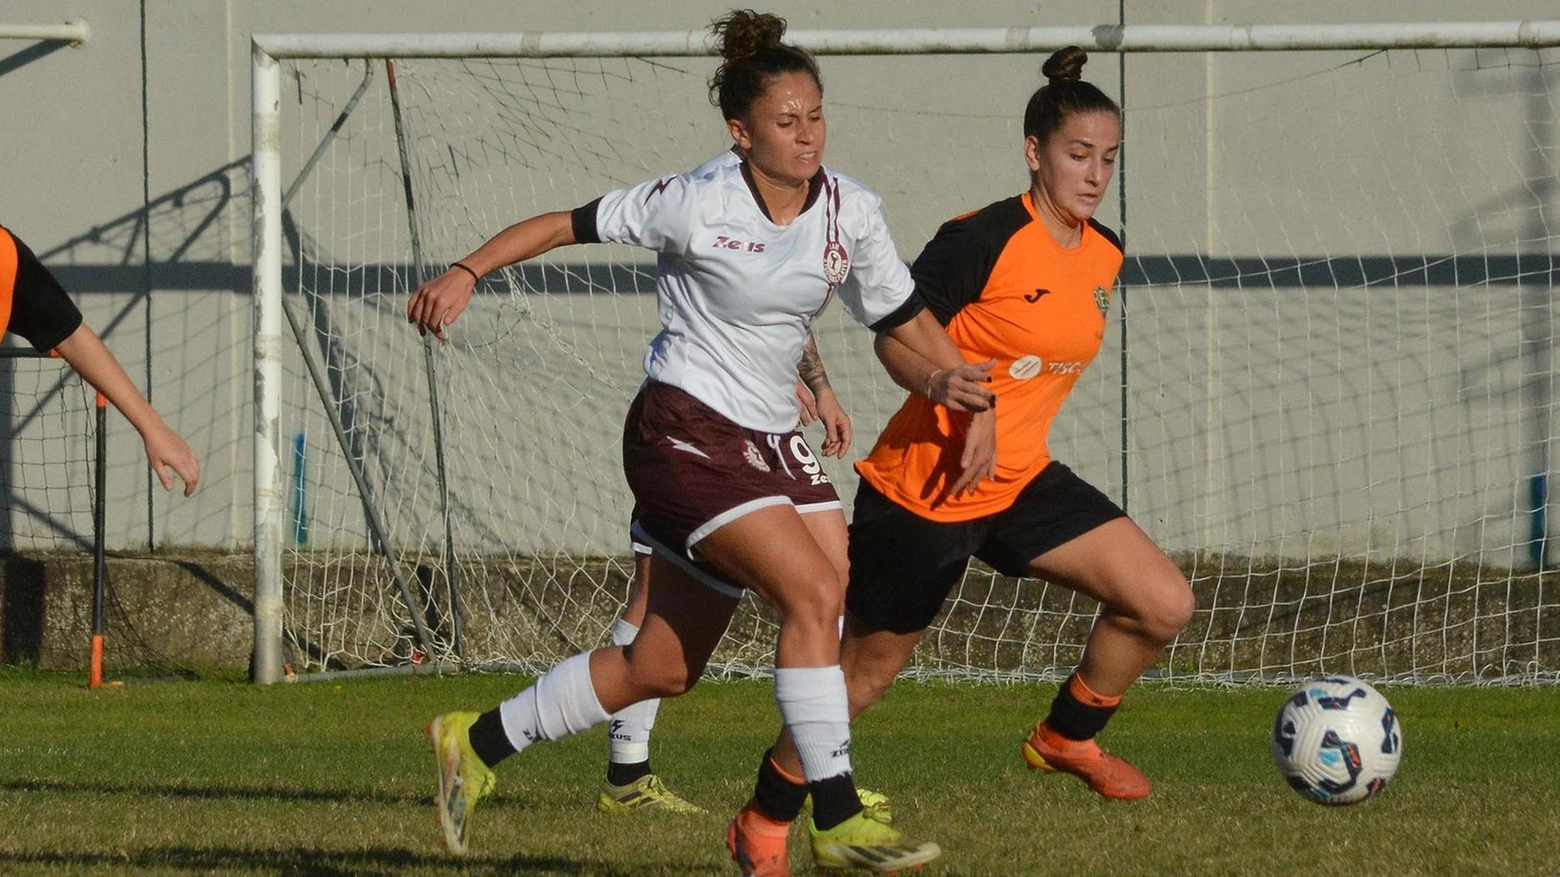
column 786, row 775
column 1087, row 696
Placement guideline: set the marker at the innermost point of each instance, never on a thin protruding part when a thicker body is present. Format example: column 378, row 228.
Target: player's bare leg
column 843, row 834
column 1146, row 601
column 631, row 784
column 681, row 629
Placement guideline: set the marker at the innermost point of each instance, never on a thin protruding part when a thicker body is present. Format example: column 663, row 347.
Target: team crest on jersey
column 1102, row 299
column 754, row 458
column 836, row 263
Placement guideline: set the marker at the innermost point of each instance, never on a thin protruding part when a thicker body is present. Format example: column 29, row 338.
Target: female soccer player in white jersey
column 630, row 783
column 729, row 494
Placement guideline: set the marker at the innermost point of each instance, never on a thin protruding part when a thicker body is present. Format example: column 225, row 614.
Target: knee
column 1169, row 608
column 815, row 602
column 866, row 685
column 652, row 678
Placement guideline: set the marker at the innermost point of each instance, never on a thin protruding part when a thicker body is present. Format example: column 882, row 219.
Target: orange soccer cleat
column 1105, row 773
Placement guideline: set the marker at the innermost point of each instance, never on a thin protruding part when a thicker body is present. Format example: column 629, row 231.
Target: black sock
column 777, row 797
column 619, row 774
column 489, row 740
column 834, row 801
column 1074, row 719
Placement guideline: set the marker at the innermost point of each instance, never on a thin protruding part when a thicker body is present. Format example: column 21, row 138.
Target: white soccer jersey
column 737, row 293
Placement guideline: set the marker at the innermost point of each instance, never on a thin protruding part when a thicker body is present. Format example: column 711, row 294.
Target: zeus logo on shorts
column 810, row 464
column 681, row 445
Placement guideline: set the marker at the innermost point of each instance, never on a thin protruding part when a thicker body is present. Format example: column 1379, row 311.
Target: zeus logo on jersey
column 723, row 242
column 657, row 189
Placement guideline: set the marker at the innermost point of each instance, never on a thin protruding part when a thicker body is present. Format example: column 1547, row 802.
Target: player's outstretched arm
column 438, row 302
column 91, row 359
column 920, row 357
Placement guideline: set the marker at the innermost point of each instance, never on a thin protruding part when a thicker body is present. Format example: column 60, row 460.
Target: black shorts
column 693, row 470
column 902, row 566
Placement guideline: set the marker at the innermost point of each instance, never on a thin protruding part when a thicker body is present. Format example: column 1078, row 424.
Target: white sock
column 813, row 705
column 628, row 732
column 561, row 703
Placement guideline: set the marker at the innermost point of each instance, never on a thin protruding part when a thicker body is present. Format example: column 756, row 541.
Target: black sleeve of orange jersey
column 953, row 269
column 584, row 221
column 41, row 312
column 1108, row 235
column 901, row 315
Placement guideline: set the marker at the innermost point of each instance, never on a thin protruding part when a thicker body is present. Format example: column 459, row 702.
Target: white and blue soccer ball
column 1337, row 740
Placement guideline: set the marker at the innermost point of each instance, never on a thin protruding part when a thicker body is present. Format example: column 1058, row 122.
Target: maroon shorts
column 692, row 470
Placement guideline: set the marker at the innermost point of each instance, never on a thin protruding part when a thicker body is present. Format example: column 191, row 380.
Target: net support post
column 269, row 496
column 74, row 32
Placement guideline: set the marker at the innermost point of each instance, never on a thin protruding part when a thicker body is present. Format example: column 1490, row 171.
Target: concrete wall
column 125, row 167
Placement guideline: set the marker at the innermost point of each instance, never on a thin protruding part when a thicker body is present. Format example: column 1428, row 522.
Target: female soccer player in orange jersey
column 1027, row 282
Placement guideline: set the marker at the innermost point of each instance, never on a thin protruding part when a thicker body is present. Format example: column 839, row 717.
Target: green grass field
column 219, row 776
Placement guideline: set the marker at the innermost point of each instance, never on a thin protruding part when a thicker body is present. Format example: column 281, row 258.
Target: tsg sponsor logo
column 1026, row 367
column 1033, row 366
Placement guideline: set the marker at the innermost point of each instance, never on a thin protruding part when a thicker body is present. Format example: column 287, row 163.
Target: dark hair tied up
column 752, row 52
column 1065, row 93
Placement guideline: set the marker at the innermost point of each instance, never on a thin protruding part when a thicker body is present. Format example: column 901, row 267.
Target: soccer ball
column 1337, row 741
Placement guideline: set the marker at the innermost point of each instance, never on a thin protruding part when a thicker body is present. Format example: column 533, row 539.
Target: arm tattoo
column 810, row 369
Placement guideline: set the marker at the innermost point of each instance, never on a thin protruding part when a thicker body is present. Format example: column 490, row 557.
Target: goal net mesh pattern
column 1326, row 387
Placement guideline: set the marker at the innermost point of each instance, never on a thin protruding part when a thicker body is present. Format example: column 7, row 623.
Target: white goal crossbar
column 269, row 50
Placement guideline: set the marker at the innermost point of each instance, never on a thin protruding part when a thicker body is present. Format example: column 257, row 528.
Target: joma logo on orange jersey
column 723, row 242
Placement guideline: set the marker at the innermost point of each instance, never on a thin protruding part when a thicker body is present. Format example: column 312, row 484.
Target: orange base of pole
column 95, row 674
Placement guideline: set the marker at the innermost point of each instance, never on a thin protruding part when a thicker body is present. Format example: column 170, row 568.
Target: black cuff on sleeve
column 901, row 315
column 584, row 221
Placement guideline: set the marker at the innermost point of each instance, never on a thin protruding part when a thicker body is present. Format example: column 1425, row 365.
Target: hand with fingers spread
column 963, row 388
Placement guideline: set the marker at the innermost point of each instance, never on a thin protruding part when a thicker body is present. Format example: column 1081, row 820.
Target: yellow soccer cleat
column 875, row 804
column 645, row 793
column 463, row 778
column 865, row 843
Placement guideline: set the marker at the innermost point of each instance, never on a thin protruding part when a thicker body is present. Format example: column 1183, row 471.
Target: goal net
column 1326, row 388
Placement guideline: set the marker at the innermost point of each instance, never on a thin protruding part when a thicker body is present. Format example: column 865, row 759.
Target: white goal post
column 1327, row 387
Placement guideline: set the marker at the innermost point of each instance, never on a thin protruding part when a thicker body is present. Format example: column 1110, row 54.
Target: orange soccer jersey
column 1006, row 291
column 8, row 265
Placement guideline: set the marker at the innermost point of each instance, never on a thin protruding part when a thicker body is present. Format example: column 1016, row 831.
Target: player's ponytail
column 752, row 51
column 1066, row 92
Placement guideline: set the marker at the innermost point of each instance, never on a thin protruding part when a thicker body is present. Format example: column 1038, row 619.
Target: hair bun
column 744, row 33
column 1066, row 65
